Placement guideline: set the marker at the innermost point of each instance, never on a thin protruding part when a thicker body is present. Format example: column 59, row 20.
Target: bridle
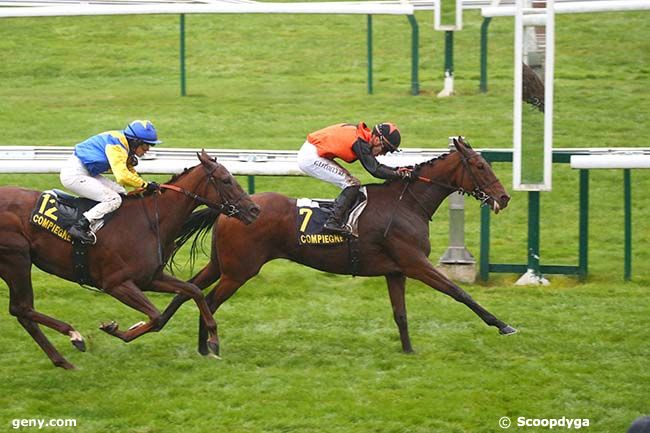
column 225, row 207
column 479, row 190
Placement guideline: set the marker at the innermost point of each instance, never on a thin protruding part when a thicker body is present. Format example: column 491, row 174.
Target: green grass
column 306, row 351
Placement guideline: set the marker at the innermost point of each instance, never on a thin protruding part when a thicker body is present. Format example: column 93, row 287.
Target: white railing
column 365, row 8
column 572, row 7
column 50, row 159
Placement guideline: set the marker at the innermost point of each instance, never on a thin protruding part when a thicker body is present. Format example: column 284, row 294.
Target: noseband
column 225, row 207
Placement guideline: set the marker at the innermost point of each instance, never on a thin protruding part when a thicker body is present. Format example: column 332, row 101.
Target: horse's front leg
column 421, row 269
column 170, row 284
column 396, row 287
column 206, row 276
column 130, row 294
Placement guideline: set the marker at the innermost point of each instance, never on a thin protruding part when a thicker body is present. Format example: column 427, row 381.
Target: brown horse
column 129, row 255
column 393, row 238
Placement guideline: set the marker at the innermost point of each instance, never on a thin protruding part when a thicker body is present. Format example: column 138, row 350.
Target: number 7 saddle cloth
column 312, row 214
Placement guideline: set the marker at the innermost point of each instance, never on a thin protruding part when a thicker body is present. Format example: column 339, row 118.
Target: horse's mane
column 176, row 177
column 417, row 167
column 197, row 225
column 430, row 162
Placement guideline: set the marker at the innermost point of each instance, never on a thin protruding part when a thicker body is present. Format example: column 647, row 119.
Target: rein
column 226, row 208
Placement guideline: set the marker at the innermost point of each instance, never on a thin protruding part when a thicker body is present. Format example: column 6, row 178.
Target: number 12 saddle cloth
column 57, row 211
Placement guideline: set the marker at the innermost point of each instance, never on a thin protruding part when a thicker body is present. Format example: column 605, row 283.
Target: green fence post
column 583, row 247
column 449, row 52
column 251, row 184
column 627, row 194
column 369, row 39
column 484, row 262
column 533, row 232
column 415, row 56
column 484, row 49
column 182, row 54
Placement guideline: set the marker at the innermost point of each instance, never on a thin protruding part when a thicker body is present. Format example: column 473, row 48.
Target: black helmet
column 390, row 135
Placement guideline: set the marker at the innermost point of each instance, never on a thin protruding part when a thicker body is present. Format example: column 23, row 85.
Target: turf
column 306, row 351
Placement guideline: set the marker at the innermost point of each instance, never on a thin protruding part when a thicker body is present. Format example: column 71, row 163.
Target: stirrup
column 336, row 227
column 88, row 238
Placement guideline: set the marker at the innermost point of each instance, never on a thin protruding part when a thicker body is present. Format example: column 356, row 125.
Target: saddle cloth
column 312, row 214
column 57, row 211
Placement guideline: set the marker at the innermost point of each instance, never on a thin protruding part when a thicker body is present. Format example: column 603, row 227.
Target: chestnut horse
column 393, row 237
column 129, row 256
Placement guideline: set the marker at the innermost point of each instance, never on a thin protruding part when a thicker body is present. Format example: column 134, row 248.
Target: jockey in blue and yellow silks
column 116, row 151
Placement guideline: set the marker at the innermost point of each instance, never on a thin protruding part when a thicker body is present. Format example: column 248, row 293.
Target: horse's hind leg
column 423, row 270
column 47, row 347
column 14, row 269
column 396, row 285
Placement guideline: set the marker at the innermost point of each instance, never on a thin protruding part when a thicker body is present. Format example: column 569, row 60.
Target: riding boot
column 336, row 221
column 80, row 231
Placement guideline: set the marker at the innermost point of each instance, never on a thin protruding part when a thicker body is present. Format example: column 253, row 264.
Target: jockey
column 349, row 142
column 117, row 151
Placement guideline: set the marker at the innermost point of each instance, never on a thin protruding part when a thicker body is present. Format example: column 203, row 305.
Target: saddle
column 312, row 214
column 55, row 212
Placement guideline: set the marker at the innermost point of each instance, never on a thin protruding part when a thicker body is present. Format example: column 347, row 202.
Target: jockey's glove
column 405, row 173
column 152, row 186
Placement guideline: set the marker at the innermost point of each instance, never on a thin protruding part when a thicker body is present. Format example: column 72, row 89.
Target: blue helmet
column 142, row 130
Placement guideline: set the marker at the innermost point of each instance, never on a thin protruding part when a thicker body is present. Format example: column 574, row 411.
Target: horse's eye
column 480, row 166
column 227, row 180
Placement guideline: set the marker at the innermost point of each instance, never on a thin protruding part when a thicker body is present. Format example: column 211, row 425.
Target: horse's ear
column 204, row 157
column 460, row 145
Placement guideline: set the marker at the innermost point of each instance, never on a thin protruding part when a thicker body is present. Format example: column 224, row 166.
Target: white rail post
column 457, row 262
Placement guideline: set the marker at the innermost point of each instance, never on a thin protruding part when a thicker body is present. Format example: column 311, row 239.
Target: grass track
column 310, row 352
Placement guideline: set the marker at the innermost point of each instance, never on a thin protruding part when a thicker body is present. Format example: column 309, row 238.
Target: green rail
column 534, row 205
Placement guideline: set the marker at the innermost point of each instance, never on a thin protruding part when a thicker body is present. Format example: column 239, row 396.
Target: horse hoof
column 109, row 327
column 79, row 345
column 507, row 330
column 77, row 340
column 213, row 348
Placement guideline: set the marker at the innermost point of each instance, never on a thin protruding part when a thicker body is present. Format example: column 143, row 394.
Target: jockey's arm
column 370, row 163
column 124, row 175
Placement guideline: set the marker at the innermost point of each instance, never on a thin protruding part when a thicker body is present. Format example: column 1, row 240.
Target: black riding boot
column 80, row 231
column 342, row 204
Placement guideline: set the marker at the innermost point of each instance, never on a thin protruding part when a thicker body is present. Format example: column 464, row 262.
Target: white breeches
column 76, row 178
column 324, row 169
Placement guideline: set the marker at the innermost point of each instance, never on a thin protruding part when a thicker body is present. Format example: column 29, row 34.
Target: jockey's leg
column 329, row 171
column 342, row 204
column 98, row 189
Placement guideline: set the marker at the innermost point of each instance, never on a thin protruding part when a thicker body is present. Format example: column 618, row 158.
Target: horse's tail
column 197, row 225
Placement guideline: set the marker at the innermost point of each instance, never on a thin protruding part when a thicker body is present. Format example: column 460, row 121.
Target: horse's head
column 224, row 189
column 475, row 177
